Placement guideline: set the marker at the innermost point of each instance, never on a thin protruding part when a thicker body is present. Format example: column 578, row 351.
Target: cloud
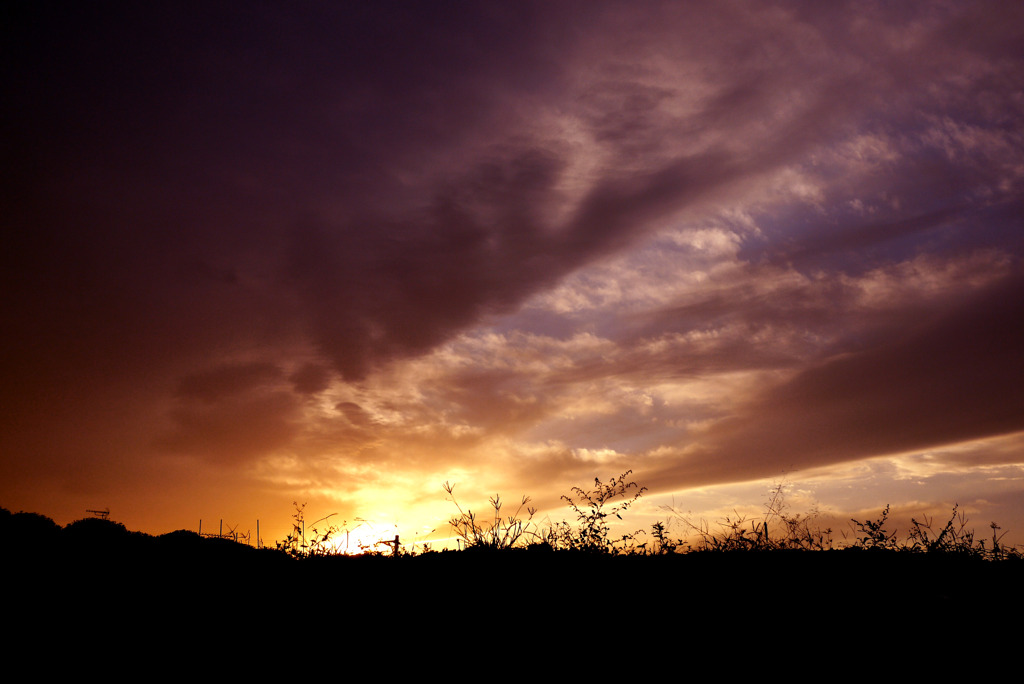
column 376, row 221
column 235, row 431
column 311, row 378
column 228, row 380
column 948, row 380
column 337, row 236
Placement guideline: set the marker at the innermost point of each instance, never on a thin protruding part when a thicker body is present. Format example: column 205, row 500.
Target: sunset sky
column 343, row 252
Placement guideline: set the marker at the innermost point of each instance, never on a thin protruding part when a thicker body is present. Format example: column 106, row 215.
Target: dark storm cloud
column 293, row 151
column 233, row 430
column 165, row 138
column 226, row 381
column 310, row 378
column 354, row 413
column 862, row 238
column 946, row 380
column 401, row 288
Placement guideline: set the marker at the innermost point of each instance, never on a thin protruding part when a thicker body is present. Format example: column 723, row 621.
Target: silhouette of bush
column 315, row 543
column 593, row 509
column 29, row 532
column 181, row 539
column 592, row 514
column 96, row 532
column 874, row 536
column 498, row 532
column 776, row 530
column 955, row 538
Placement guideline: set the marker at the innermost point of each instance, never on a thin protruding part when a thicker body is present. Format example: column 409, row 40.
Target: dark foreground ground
column 106, row 588
column 108, row 567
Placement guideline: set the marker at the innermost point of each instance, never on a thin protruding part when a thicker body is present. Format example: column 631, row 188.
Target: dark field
column 96, row 572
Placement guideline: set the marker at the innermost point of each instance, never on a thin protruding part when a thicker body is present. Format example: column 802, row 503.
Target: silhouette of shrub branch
column 776, row 530
column 873, row 534
column 593, row 534
column 498, row 532
column 300, row 544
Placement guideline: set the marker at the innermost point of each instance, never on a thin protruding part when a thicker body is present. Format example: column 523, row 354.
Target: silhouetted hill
column 97, row 572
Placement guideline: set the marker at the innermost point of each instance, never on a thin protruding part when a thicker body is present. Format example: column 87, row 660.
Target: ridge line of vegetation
column 592, row 533
column 776, row 530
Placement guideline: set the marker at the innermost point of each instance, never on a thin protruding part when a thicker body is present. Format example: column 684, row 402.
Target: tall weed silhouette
column 495, row 532
column 777, row 529
column 302, row 544
column 593, row 509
